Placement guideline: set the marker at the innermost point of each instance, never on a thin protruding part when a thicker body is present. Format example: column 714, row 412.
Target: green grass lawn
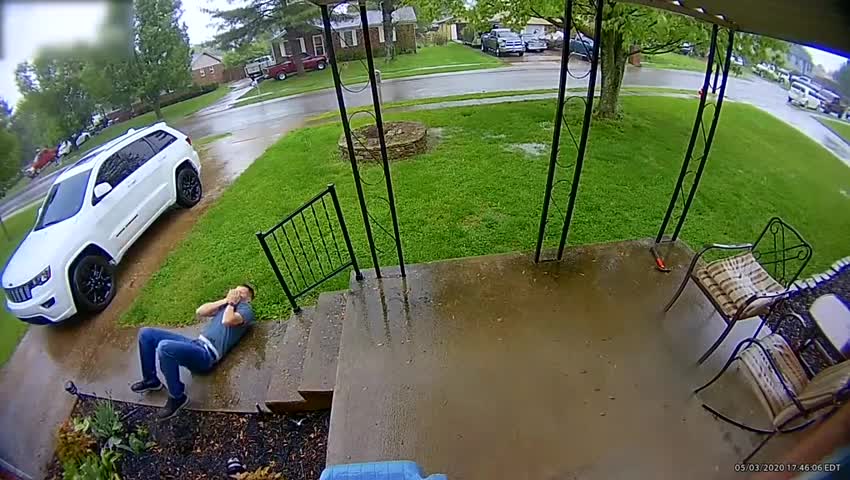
column 674, row 61
column 171, row 114
column 12, row 329
column 478, row 193
column 841, row 128
column 435, row 59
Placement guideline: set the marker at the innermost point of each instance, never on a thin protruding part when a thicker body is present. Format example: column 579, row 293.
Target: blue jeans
column 173, row 351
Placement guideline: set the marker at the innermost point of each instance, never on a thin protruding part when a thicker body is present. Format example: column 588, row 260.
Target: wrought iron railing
column 307, row 246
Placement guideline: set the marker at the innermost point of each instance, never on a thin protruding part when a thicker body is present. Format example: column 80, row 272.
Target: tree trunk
column 294, row 51
column 613, row 55
column 387, row 8
column 156, row 108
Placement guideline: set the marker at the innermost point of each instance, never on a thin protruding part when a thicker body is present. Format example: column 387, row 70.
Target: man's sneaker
column 146, row 386
column 172, row 406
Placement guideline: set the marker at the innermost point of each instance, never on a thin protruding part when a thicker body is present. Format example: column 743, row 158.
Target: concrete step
column 320, row 360
column 282, row 395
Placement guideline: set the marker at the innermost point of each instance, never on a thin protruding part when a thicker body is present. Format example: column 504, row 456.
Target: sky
column 29, row 25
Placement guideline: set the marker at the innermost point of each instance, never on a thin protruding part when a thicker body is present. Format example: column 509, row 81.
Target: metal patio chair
column 781, row 382
column 750, row 283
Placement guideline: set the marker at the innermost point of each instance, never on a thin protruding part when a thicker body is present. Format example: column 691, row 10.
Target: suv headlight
column 40, row 279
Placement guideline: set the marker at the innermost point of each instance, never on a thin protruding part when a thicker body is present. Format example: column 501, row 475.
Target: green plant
column 440, row 38
column 137, row 442
column 73, row 444
column 105, row 421
column 94, row 467
column 263, row 473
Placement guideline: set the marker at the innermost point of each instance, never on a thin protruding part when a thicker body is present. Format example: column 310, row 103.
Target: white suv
column 92, row 214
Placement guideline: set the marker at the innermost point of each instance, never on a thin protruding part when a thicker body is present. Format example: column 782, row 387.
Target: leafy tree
column 249, row 23
column 245, row 53
column 5, row 113
column 842, row 77
column 162, row 50
column 9, row 156
column 53, row 83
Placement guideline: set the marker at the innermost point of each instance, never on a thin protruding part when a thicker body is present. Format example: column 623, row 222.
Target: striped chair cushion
column 763, row 379
column 733, row 280
column 819, row 391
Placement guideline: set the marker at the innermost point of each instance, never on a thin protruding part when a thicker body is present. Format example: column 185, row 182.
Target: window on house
column 381, row 38
column 348, row 38
column 303, row 44
column 283, row 48
column 203, row 73
column 395, row 39
column 319, row 44
column 212, row 69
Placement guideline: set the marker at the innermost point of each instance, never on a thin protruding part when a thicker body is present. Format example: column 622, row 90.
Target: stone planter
column 404, row 139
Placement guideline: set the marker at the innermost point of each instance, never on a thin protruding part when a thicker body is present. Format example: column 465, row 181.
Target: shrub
column 73, row 443
column 264, row 473
column 440, row 38
column 105, row 422
column 94, row 467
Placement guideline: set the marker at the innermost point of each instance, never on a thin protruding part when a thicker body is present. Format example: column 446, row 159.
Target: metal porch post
column 329, row 48
column 379, row 122
column 556, row 135
column 697, row 121
column 559, row 119
column 707, row 148
column 585, row 128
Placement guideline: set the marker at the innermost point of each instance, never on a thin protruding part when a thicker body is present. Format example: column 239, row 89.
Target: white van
column 802, row 95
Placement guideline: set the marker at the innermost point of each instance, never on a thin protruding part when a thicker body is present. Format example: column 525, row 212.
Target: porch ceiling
column 818, row 23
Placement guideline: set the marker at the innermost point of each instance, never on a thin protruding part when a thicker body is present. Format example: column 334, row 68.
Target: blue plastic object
column 394, row 470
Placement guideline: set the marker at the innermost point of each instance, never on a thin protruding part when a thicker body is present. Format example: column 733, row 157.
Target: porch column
column 698, row 129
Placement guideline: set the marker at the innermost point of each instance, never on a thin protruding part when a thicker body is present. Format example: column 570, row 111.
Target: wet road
column 255, row 127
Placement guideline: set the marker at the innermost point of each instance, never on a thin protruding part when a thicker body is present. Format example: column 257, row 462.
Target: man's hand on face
column 233, row 296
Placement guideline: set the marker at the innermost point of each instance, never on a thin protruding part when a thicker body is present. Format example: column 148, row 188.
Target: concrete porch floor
column 493, row 367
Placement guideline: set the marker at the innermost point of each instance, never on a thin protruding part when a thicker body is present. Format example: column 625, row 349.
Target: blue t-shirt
column 224, row 338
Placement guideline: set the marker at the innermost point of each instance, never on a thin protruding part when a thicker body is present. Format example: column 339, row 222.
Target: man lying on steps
column 231, row 316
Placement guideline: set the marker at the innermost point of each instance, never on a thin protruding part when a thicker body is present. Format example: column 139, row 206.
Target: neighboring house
column 207, row 68
column 448, row 27
column 348, row 36
column 800, row 60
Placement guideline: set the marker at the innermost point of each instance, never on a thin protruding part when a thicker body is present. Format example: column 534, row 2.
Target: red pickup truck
column 287, row 66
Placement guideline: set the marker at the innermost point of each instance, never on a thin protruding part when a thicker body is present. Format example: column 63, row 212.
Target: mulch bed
column 799, row 303
column 197, row 445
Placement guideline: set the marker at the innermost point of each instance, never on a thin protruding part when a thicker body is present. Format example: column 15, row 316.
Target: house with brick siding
column 347, row 36
column 207, row 68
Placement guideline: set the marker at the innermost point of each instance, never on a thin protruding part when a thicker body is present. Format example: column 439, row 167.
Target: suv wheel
column 321, row 65
column 281, row 76
column 93, row 283
column 189, row 189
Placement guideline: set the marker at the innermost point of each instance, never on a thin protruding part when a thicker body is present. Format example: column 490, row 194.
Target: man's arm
column 208, row 309
column 231, row 318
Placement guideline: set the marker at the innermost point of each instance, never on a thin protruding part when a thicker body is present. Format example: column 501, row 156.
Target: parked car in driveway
column 533, row 43
column 287, row 66
column 92, row 214
column 831, row 103
column 254, row 68
column 502, row 41
column 43, row 157
column 582, row 47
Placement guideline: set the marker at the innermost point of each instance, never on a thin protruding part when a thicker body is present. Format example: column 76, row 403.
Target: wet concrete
column 493, row 367
column 94, row 351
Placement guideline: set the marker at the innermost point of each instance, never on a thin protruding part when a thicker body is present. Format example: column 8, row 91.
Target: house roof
column 375, row 17
column 204, row 59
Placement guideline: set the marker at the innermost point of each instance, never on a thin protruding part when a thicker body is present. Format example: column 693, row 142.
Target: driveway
column 94, row 351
